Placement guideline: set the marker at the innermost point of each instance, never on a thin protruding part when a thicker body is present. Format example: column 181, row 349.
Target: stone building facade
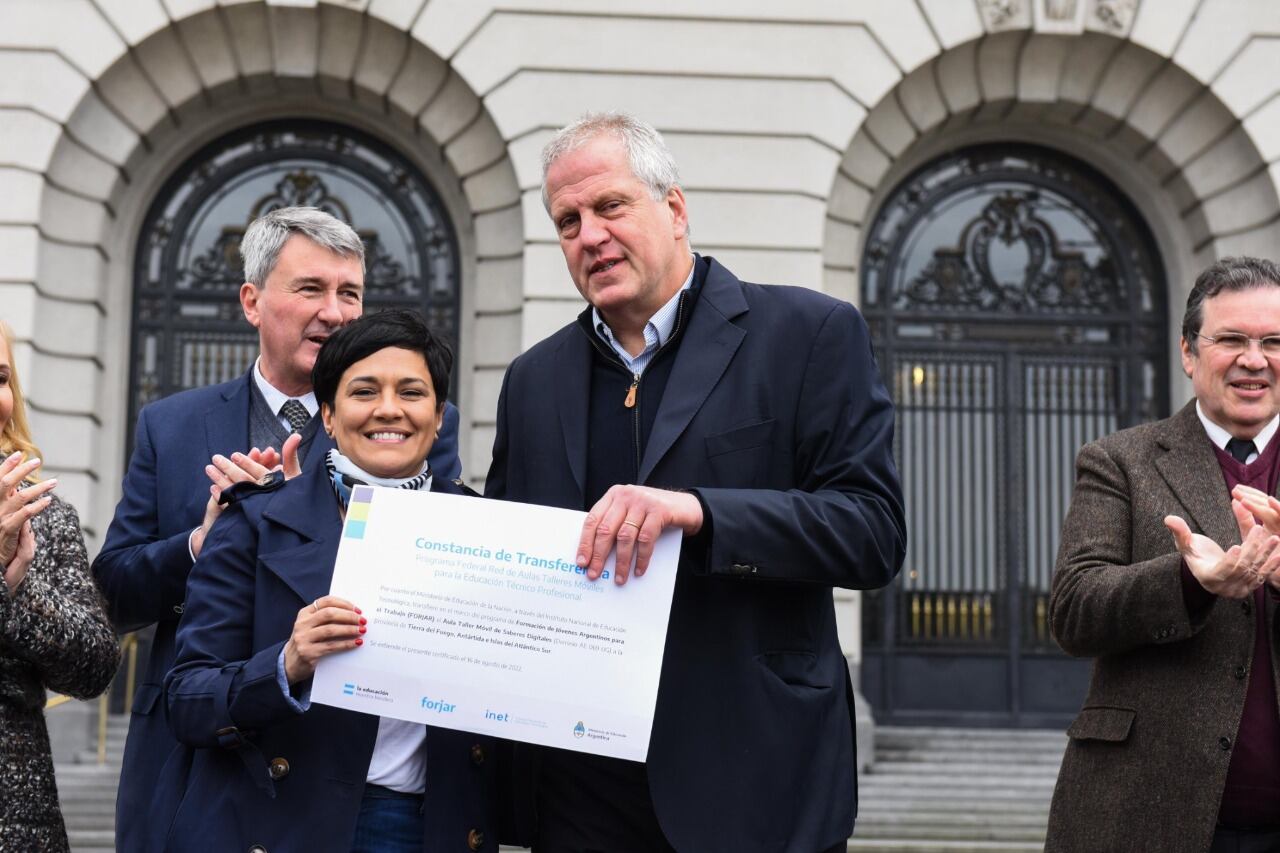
column 797, row 125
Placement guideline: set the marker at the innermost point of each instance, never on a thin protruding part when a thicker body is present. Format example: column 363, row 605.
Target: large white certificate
column 480, row 620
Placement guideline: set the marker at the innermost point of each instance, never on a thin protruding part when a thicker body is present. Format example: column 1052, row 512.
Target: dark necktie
column 298, row 416
column 1240, row 448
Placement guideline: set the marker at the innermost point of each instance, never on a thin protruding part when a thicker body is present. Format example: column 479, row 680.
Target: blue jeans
column 389, row 822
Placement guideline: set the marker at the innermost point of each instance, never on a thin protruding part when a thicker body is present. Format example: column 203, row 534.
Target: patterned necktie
column 297, row 415
column 1240, row 448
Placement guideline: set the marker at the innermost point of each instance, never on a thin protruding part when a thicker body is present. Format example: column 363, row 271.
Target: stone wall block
column 451, row 111
column 19, row 301
column 1243, row 206
column 525, row 154
column 842, row 283
column 1125, row 78
column 1219, row 29
column 496, row 342
column 493, row 188
column 1228, row 161
column 998, row 65
column 1198, row 126
column 755, row 220
column 65, row 440
column 19, row 255
column 864, row 162
column 418, row 81
column 43, row 81
column 771, row 163
column 398, row 14
column 1264, row 129
column 380, row 57
column 179, row 9
column 540, row 318
column 64, row 384
column 903, row 30
column 1040, row 68
column 295, row 36
column 135, row 19
column 20, row 192
column 132, row 96
column 1258, row 242
column 499, row 285
column 848, row 201
column 1087, row 60
column 72, row 272
column 1170, row 92
column 499, row 233
column 205, row 39
column 74, row 28
column 1250, row 79
column 68, row 329
column 841, row 240
column 169, row 66
column 102, row 130
column 340, row 34
column 250, row 33
column 481, row 454
column 1158, row 26
column 958, row 77
column 921, row 100
column 890, row 127
column 954, row 23
column 444, row 24
column 69, row 217
column 26, row 139
column 539, row 99
column 478, row 147
column 802, row 268
column 546, row 275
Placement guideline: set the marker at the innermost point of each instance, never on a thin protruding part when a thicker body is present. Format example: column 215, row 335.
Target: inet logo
column 494, row 715
column 438, row 705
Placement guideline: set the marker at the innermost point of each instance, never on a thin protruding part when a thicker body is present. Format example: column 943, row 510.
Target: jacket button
column 1241, row 672
column 257, row 848
column 178, row 608
column 279, row 768
column 475, row 839
column 477, row 755
column 1225, row 743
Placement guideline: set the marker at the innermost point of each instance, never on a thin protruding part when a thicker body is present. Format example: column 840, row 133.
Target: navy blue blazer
column 251, row 769
column 143, row 565
column 776, row 416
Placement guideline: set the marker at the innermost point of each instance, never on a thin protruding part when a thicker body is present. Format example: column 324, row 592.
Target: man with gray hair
column 304, row 274
column 1176, row 748
column 752, row 418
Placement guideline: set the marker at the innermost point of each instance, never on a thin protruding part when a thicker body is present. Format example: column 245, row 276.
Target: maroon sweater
column 1251, row 797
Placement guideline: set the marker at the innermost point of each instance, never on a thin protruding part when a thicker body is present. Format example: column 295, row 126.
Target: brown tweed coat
column 1147, row 757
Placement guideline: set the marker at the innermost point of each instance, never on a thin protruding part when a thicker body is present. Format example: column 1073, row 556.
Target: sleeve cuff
column 1197, row 599
column 191, row 551
column 300, row 701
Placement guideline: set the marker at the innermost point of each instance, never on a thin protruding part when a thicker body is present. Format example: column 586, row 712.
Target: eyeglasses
column 1234, row 343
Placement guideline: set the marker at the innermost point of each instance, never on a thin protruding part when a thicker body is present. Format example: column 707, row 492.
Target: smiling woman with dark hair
column 267, row 768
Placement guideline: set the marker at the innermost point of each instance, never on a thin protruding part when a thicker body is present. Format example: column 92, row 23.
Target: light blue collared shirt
column 656, row 332
column 276, row 398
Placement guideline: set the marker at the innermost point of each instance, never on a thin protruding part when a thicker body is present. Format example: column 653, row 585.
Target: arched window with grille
column 188, row 328
column 1017, row 305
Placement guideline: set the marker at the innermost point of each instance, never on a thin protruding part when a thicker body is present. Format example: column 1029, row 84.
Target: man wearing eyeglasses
column 1167, row 577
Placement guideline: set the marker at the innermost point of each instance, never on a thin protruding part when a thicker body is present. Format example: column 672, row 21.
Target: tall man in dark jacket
column 305, row 278
column 1177, row 747
column 751, row 417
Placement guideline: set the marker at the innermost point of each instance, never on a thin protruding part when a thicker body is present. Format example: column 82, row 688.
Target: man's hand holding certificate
column 480, row 619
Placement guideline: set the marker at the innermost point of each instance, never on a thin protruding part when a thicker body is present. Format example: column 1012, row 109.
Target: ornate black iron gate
column 1016, row 302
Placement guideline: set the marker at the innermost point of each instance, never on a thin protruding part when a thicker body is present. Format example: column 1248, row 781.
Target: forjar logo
column 438, row 705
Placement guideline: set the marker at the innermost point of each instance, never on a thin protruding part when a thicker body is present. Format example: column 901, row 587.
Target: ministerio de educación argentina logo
column 579, row 730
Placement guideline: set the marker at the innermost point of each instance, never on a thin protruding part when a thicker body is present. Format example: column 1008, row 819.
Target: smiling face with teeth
column 1237, row 392
column 310, row 293
column 385, row 414
column 628, row 252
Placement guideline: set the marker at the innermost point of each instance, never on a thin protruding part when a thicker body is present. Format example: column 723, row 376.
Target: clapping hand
column 224, row 471
column 1240, row 569
column 17, row 508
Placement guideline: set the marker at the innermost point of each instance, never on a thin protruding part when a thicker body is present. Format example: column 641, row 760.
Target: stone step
column 934, row 767
column 911, row 845
column 994, row 757
column 878, row 801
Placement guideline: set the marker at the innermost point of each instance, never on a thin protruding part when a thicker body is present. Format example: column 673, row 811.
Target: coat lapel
column 227, row 424
column 705, row 352
column 309, row 508
column 1191, row 470
column 573, row 387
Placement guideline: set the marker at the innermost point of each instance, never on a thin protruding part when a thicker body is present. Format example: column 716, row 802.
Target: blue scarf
column 346, row 475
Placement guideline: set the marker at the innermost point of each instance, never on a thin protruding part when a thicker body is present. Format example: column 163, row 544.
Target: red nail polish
column 363, row 621
column 359, row 641
column 363, row 629
column 358, row 610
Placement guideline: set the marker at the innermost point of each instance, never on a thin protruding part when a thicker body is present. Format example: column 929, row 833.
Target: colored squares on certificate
column 358, row 512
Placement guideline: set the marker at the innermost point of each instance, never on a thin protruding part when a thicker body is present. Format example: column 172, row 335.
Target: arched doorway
column 188, row 329
column 1016, row 301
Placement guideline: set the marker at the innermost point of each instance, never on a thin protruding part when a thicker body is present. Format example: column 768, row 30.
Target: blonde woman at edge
column 54, row 632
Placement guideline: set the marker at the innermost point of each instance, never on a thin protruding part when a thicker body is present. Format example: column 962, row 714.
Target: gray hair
column 1228, row 274
column 647, row 153
column 267, row 235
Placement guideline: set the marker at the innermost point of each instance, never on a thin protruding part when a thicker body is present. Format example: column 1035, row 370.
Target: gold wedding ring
column 632, row 523
column 313, row 606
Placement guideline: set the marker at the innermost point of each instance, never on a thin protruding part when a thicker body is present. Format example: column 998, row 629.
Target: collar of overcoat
column 227, row 423
column 1190, row 468
column 705, row 350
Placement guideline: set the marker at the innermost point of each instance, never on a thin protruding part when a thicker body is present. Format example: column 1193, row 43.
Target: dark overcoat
column 775, row 415
column 1146, row 760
